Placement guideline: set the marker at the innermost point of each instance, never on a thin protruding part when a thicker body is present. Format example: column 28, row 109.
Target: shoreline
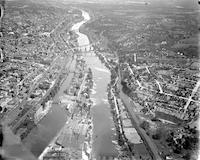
column 89, row 126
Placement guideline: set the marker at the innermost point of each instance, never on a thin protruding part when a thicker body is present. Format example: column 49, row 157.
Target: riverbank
column 103, row 132
column 129, row 140
column 50, row 124
column 99, row 129
column 119, row 134
column 74, row 139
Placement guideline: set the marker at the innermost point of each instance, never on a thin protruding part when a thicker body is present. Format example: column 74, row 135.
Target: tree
column 156, row 136
column 187, row 156
column 144, row 125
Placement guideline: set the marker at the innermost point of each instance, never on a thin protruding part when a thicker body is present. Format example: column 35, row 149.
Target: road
column 38, row 104
column 161, row 90
column 66, row 136
column 153, row 150
column 12, row 115
column 190, row 98
column 53, row 30
column 147, row 141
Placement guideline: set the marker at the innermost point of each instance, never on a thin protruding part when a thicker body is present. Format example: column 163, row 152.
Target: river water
column 51, row 124
column 103, row 131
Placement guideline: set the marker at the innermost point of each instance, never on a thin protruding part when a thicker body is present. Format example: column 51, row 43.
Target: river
column 52, row 123
column 103, row 131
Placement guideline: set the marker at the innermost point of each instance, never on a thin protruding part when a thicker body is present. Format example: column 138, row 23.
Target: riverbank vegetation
column 34, row 55
column 76, row 135
column 125, row 142
column 157, row 72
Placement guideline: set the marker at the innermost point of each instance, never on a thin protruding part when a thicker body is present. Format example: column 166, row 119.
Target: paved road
column 38, row 104
column 66, row 136
column 147, row 141
column 10, row 116
column 153, row 150
column 168, row 94
column 190, row 98
column 160, row 88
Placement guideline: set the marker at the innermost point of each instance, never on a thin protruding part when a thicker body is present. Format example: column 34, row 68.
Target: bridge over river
column 103, row 131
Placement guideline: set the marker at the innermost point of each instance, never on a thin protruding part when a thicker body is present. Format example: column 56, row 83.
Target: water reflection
column 103, row 135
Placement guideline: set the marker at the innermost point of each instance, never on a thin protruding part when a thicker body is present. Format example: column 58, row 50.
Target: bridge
column 81, row 49
column 86, row 50
column 107, row 157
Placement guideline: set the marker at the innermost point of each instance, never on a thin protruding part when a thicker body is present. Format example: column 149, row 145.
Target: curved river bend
column 103, row 131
